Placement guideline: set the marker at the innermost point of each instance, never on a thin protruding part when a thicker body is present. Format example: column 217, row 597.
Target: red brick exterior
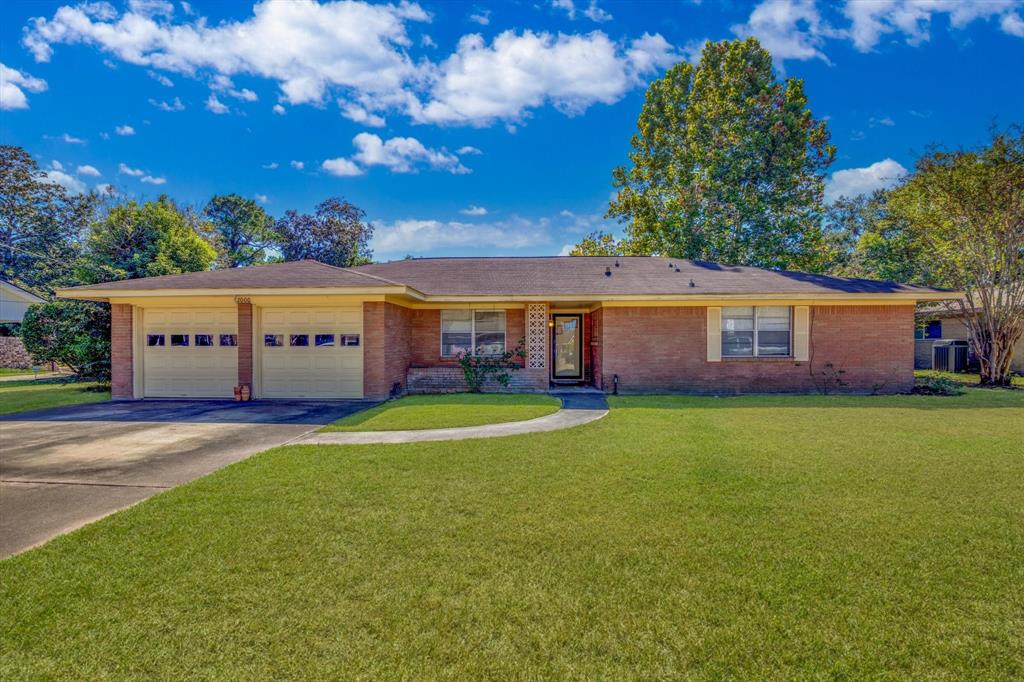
column 122, row 378
column 245, row 344
column 386, row 348
column 425, row 336
column 596, row 346
column 665, row 349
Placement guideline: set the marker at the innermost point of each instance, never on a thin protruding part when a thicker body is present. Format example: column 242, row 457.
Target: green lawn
column 964, row 377
column 744, row 538
column 20, row 396
column 14, row 371
column 443, row 411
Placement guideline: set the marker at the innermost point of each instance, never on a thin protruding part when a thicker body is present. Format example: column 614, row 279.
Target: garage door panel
column 326, row 371
column 190, row 371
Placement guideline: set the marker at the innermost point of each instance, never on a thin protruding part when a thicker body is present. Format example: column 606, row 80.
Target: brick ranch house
column 636, row 324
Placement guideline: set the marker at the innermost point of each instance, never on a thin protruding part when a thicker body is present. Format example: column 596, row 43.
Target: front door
column 568, row 348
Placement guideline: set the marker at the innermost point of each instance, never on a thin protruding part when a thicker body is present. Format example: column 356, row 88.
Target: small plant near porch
column 478, row 368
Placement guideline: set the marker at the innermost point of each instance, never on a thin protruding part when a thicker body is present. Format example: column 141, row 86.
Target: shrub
column 936, row 384
column 478, row 368
column 72, row 333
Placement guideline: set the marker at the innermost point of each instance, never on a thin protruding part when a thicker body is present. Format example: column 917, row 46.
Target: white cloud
column 568, row 6
column 482, row 17
column 298, row 165
column 341, row 167
column 871, row 20
column 149, row 179
column 482, row 83
column 567, row 250
column 186, row 7
column 68, row 182
column 306, row 47
column 222, row 83
column 160, row 78
column 354, row 112
column 160, row 8
column 14, row 84
column 427, row 41
column 125, row 130
column 106, row 188
column 269, row 166
column 262, row 198
column 462, row 151
column 402, row 237
column 70, row 139
column 173, row 105
column 596, row 14
column 89, row 170
column 883, row 121
column 474, row 211
column 856, row 181
column 125, row 169
column 279, row 110
column 215, row 105
column 56, row 165
column 403, row 154
column 789, row 29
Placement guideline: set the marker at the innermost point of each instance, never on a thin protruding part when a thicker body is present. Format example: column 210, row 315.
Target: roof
column 583, row 276
column 14, row 290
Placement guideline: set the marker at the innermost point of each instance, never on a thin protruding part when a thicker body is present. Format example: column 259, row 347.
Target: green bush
column 72, row 333
column 936, row 384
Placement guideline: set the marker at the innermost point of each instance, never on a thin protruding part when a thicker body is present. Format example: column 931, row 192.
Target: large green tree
column 135, row 240
column 41, row 224
column 728, row 165
column 336, row 233
column 242, row 230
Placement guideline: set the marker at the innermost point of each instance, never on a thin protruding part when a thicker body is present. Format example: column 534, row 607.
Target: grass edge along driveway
column 416, row 412
column 843, row 537
column 38, row 394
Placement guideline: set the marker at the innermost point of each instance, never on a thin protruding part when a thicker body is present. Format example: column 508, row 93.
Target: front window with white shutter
column 757, row 331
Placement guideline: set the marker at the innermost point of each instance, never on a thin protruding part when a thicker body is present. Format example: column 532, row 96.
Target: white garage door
column 190, row 353
column 312, row 352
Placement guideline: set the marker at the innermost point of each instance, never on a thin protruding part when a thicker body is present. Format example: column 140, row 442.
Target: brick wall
column 386, row 329
column 665, row 349
column 449, row 379
column 13, row 353
column 121, row 376
column 397, row 326
column 596, row 356
column 245, row 344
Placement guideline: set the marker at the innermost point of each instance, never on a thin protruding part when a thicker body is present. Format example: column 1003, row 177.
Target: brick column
column 375, row 380
column 244, row 342
column 122, row 376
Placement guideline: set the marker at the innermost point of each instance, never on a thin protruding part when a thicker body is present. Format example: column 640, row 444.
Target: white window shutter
column 801, row 333
column 714, row 334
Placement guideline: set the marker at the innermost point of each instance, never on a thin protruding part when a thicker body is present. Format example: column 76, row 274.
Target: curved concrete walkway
column 576, row 411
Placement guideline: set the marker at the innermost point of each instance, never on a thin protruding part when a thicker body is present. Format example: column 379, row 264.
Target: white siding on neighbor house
column 14, row 302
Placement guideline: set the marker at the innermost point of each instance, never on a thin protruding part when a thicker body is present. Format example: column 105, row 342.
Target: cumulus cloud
column 279, row 110
column 298, row 165
column 474, row 211
column 160, row 78
column 871, row 20
column 222, row 83
column 125, row 169
column 482, row 17
column 173, row 105
column 149, row 179
column 269, row 166
column 595, row 13
column 481, row 83
column 856, row 181
column 462, row 151
column 1013, row 24
column 341, row 167
column 89, row 170
column 401, row 237
column 14, row 84
column 567, row 6
column 125, row 130
column 262, row 198
column 354, row 112
column 403, row 154
column 66, row 137
column 215, row 105
column 68, row 182
column 789, row 29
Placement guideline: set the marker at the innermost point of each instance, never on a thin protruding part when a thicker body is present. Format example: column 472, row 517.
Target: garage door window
column 204, row 339
column 273, row 340
column 154, row 340
column 179, row 339
column 324, row 340
column 348, row 340
column 299, row 340
column 228, row 340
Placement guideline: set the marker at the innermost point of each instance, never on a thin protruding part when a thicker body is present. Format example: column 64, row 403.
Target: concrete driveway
column 62, row 468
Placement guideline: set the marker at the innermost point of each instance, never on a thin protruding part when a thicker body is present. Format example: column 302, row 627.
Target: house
column 14, row 302
column 935, row 323
column 632, row 324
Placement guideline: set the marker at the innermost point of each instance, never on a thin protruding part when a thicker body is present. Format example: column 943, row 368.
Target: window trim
column 754, row 349
column 472, row 330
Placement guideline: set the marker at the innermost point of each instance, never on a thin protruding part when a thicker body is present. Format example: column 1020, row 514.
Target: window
column 154, row 339
column 229, row 339
column 179, row 339
column 325, row 340
column 273, row 340
column 762, row 331
column 299, row 340
column 931, row 330
column 348, row 339
column 479, row 332
column 204, row 339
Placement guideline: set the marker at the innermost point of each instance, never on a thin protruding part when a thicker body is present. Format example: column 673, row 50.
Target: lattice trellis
column 536, row 335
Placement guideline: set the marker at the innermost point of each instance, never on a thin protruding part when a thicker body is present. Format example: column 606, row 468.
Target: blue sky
column 465, row 128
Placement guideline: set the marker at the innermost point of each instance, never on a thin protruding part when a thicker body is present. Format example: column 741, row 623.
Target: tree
column 73, row 333
column 727, row 165
column 600, row 244
column 864, row 239
column 964, row 215
column 242, row 230
column 143, row 241
column 335, row 234
column 41, row 225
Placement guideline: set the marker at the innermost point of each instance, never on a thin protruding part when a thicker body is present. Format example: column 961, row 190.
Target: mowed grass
column 965, row 377
column 21, row 396
column 444, row 411
column 14, row 371
column 744, row 538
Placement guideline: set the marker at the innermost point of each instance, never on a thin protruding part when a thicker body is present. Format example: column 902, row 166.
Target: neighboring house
column 14, row 301
column 936, row 323
column 638, row 324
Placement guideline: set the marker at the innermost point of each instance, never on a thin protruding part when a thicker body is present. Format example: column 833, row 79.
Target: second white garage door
column 311, row 352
